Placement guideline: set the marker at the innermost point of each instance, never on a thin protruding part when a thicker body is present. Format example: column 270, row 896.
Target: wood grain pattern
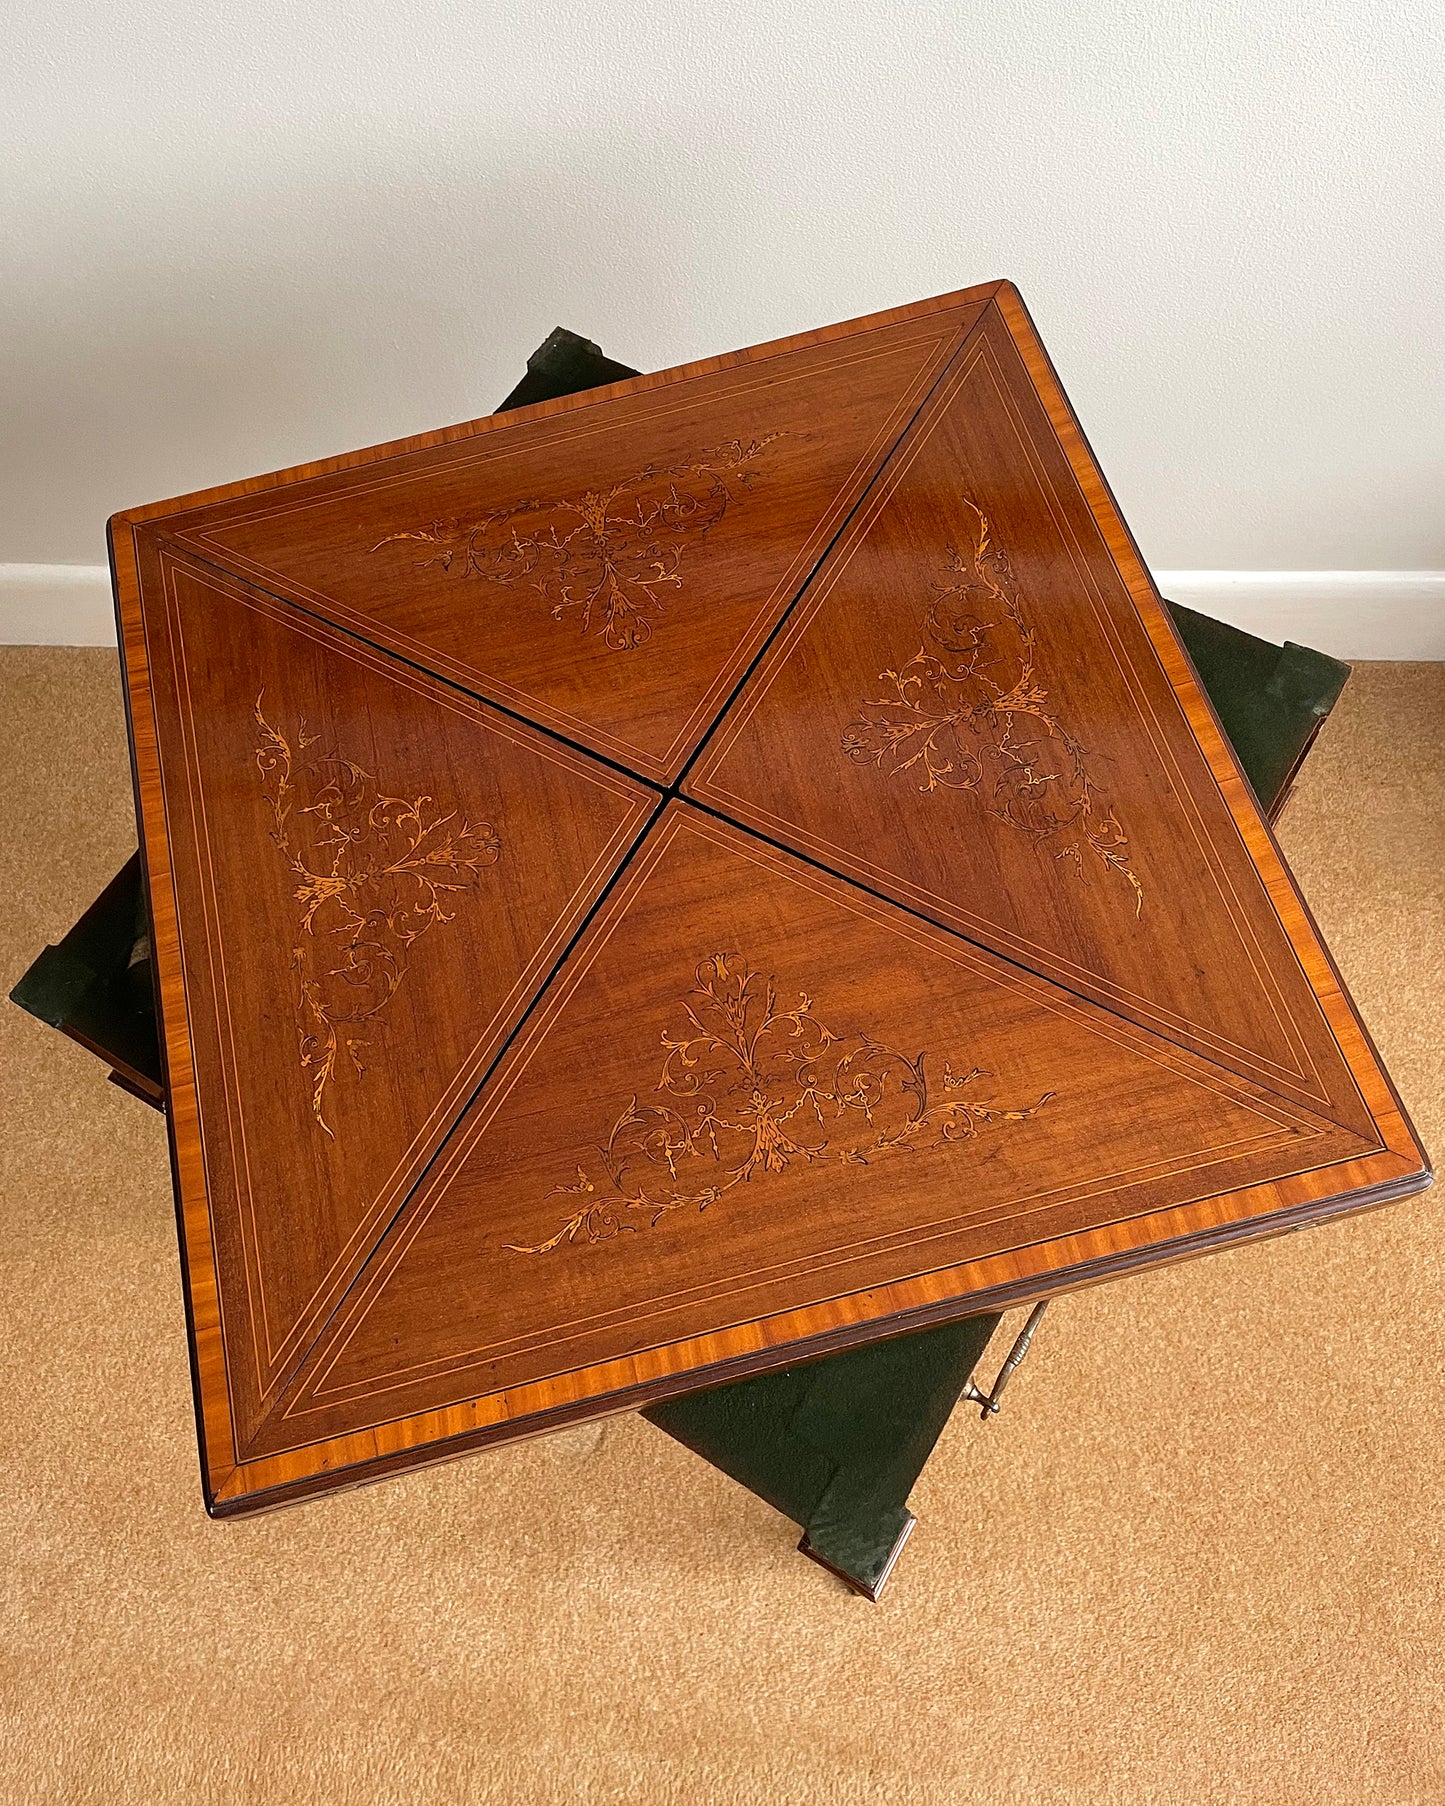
column 346, row 837
column 610, row 574
column 965, row 713
column 876, row 1192
column 1032, row 1006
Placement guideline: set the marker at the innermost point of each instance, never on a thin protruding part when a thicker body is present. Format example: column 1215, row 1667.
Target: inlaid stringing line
column 461, row 1086
column 424, row 654
column 732, row 728
column 1165, row 750
column 524, row 1051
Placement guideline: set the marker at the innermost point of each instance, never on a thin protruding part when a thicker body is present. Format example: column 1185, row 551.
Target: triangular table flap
column 754, row 1089
column 374, row 874
column 609, row 571
column 965, row 713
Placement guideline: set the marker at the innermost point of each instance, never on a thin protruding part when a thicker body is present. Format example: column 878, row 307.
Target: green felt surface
column 837, row 1444
column 96, row 984
column 1270, row 699
column 564, row 364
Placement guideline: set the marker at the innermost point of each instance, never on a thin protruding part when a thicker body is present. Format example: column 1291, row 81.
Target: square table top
column 654, row 885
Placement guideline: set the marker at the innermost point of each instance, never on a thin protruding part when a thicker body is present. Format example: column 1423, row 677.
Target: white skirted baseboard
column 1352, row 614
column 56, row 605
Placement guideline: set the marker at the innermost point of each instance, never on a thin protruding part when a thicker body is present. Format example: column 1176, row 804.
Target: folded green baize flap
column 1270, row 699
column 95, row 985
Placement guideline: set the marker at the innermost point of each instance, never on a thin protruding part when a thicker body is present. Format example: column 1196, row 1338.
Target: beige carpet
column 1200, row 1557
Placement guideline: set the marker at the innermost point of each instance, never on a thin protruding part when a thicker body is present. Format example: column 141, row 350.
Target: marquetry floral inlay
column 969, row 712
column 750, row 1087
column 373, row 872
column 605, row 558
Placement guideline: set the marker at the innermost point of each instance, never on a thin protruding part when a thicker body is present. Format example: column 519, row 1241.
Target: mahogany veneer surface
column 709, row 871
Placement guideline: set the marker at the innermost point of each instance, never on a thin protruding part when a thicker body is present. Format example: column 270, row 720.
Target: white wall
column 238, row 235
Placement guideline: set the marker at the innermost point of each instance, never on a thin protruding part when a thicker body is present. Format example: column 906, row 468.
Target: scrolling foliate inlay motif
column 373, row 873
column 968, row 712
column 609, row 571
column 750, row 1087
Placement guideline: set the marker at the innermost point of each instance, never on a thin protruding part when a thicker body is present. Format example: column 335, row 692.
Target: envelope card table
column 838, row 1441
column 719, row 869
